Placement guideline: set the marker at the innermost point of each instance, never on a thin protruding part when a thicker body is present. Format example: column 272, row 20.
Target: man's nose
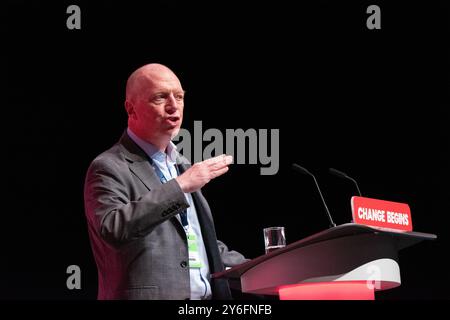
column 171, row 105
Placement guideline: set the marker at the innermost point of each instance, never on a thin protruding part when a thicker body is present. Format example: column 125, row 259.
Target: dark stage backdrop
column 373, row 103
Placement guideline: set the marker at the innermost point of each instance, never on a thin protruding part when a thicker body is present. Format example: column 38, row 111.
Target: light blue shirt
column 199, row 277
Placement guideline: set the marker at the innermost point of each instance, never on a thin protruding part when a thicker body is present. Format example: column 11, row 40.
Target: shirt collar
column 153, row 152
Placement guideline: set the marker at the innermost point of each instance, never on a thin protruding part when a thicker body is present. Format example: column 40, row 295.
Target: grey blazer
column 138, row 242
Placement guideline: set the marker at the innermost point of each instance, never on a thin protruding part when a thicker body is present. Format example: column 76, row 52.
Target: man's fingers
column 222, row 163
column 212, row 161
column 219, row 172
column 219, row 161
column 228, row 160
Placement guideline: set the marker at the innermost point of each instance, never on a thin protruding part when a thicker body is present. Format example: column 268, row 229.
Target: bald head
column 144, row 77
column 154, row 104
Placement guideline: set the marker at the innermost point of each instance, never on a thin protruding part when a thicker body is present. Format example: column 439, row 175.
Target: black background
column 373, row 103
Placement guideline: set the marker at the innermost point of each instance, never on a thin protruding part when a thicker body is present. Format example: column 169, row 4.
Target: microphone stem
column 324, row 203
column 356, row 184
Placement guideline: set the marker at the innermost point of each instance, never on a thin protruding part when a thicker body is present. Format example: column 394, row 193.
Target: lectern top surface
column 404, row 239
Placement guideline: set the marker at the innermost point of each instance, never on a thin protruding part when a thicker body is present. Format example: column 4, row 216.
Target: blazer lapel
column 139, row 164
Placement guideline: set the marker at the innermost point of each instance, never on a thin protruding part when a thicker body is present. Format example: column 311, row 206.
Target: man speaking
column 150, row 227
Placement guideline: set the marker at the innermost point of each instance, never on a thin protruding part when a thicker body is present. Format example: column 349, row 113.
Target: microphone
column 345, row 176
column 302, row 170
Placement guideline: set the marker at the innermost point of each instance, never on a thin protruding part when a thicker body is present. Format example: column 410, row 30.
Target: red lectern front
column 349, row 261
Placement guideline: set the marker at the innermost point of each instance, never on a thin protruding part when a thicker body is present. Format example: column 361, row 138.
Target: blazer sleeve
column 117, row 218
column 230, row 258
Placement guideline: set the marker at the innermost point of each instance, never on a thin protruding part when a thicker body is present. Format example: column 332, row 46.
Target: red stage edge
column 338, row 290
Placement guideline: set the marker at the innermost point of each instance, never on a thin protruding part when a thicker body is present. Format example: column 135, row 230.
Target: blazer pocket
column 142, row 293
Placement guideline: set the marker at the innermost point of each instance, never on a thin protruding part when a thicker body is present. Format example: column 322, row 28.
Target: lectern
column 349, row 261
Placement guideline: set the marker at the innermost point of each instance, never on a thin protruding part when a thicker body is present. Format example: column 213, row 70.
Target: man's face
column 157, row 108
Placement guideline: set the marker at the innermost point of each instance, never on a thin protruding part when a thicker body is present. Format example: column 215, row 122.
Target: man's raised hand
column 201, row 173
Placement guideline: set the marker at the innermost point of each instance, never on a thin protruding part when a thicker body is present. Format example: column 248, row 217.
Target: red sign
column 386, row 215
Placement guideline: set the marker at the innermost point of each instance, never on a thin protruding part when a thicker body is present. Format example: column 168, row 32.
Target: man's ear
column 129, row 107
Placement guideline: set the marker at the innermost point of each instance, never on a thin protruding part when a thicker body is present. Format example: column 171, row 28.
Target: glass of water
column 274, row 238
